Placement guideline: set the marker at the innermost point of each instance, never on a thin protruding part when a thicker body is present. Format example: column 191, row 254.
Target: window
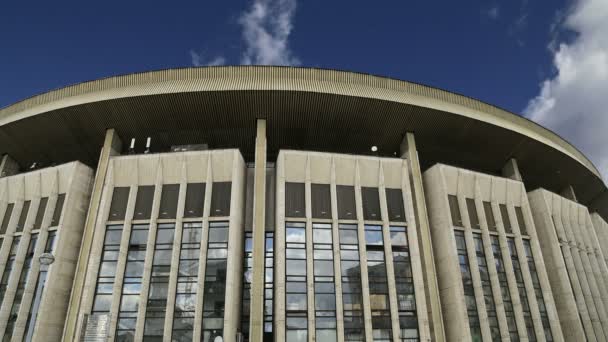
column 195, row 198
column 220, row 199
column 504, row 288
column 156, row 307
column 520, row 221
column 467, row 285
column 187, row 280
column 40, row 213
column 107, row 270
column 168, row 201
column 404, row 283
column 131, row 288
column 295, row 289
column 23, row 216
column 7, row 218
column 247, row 278
column 505, row 219
column 538, row 291
column 455, row 211
column 378, row 284
column 394, row 203
column 59, row 209
column 268, row 286
column 346, row 202
column 295, row 200
column 214, row 295
column 487, row 288
column 351, row 283
column 521, row 287
column 25, row 271
column 118, row 206
column 9, row 267
column 143, row 202
column 321, row 201
column 325, row 286
column 371, row 204
column 487, row 208
column 472, row 210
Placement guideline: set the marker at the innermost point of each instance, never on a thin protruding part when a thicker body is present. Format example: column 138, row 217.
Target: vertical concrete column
column 541, row 270
column 367, row 310
column 8, row 166
column 600, row 228
column 511, row 170
column 337, row 257
column 256, row 322
column 597, row 251
column 554, row 269
column 388, row 256
column 202, row 264
column 415, row 259
column 492, row 272
column 579, row 268
column 482, row 312
column 279, row 253
column 410, row 153
column 310, row 277
column 145, row 285
column 583, row 309
column 525, row 272
column 112, row 146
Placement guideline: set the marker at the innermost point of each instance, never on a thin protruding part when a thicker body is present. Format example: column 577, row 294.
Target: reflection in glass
column 487, row 288
column 325, row 288
column 214, row 295
column 351, row 283
column 504, row 288
column 107, row 270
column 467, row 284
column 378, row 284
column 404, row 283
column 295, row 291
column 521, row 287
column 537, row 290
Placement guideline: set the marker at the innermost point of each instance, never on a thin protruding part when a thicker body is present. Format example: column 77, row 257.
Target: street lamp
column 46, row 259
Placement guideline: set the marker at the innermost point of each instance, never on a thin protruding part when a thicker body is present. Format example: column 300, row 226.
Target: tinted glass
column 455, row 210
column 321, row 201
column 195, row 197
column 23, row 216
column 168, row 201
column 40, row 212
column 59, row 209
column 394, row 202
column 7, row 217
column 294, row 200
column 346, row 202
column 143, row 202
column 220, row 199
column 371, row 204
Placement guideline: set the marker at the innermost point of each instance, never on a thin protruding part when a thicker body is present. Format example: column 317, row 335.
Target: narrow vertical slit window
column 352, row 298
column 294, row 200
column 346, row 202
column 404, row 281
column 156, row 308
column 24, row 211
column 371, row 204
column 143, row 202
column 10, row 263
column 59, row 208
column 131, row 288
column 472, row 210
column 269, row 287
column 25, row 271
column 520, row 221
column 325, row 286
column 296, row 299
column 214, row 293
column 487, row 208
column 118, row 206
column 538, row 291
column 168, row 201
column 521, row 287
column 40, row 213
column 321, row 201
column 107, row 271
column 505, row 219
column 378, row 284
column 504, row 289
column 7, row 218
column 487, row 288
column 394, row 202
column 195, row 198
column 247, row 278
column 467, row 285
column 220, row 199
column 455, row 211
column 187, row 280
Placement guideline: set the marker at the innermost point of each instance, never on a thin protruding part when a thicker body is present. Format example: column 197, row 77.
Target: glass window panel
column 296, row 267
column 487, row 208
column 7, row 216
column 143, row 202
column 346, row 202
column 505, row 218
column 455, row 210
column 296, row 235
column 520, row 220
column 472, row 210
column 294, row 200
column 40, row 212
column 373, row 237
column 59, row 209
column 394, row 202
column 118, row 206
column 296, row 301
column 371, row 204
column 220, row 199
column 322, row 236
column 321, row 201
column 23, row 216
column 324, row 268
column 168, row 201
column 195, row 197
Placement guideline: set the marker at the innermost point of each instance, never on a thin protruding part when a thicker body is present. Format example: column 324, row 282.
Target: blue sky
column 520, row 55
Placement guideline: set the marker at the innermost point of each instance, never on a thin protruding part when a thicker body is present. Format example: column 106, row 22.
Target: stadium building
column 293, row 204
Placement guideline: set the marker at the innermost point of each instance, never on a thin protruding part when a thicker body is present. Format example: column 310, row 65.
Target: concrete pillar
column 310, row 276
column 8, row 166
column 112, row 146
column 279, row 254
column 256, row 323
column 511, row 170
column 336, row 249
column 409, row 152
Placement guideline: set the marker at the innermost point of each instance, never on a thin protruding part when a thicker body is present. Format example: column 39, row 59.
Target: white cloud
column 574, row 102
column 198, row 59
column 267, row 25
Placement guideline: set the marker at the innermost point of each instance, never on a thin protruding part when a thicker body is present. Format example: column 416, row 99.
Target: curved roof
column 305, row 108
